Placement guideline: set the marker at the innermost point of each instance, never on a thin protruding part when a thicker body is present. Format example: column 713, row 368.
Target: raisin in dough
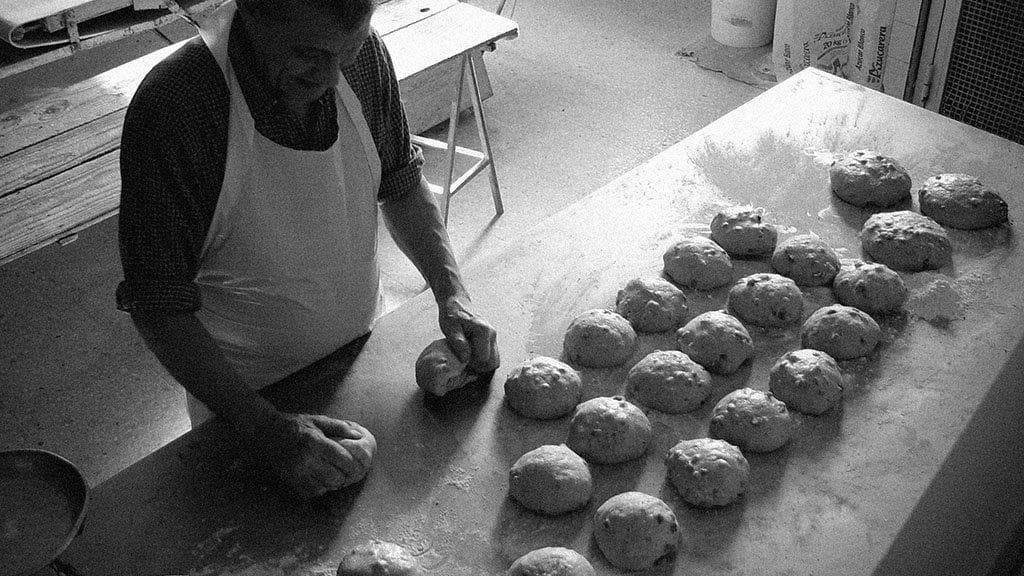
column 753, row 420
column 961, row 201
column 807, row 259
column 652, row 304
column 766, row 300
column 707, row 472
column 717, row 341
column 669, row 381
column 906, row 240
column 808, row 381
column 439, row 370
column 543, row 388
column 377, row 558
column 697, row 262
column 634, row 530
column 874, row 288
column 609, row 430
column 864, row 178
column 599, row 339
column 551, row 480
column 551, row 561
column 843, row 332
column 742, row 233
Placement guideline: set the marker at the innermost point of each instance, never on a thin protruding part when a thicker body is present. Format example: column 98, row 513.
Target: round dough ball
column 609, row 430
column 842, row 332
column 599, row 338
column 652, row 304
column 740, row 231
column 376, row 558
column 634, row 530
column 551, row 561
column 669, row 381
column 906, row 240
column 753, row 420
column 550, row 480
column 766, row 300
column 808, row 381
column 707, row 472
column 874, row 288
column 864, row 177
column 961, row 201
column 543, row 388
column 439, row 370
column 697, row 262
column 807, row 259
column 717, row 341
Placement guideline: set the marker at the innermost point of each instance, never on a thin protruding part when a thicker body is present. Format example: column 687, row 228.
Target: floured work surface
column 831, row 502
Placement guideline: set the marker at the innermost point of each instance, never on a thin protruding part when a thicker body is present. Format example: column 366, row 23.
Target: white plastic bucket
column 743, row 23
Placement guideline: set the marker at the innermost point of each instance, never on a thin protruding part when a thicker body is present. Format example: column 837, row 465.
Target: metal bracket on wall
column 71, row 24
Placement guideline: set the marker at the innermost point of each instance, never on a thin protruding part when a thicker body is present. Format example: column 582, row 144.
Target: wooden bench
column 59, row 155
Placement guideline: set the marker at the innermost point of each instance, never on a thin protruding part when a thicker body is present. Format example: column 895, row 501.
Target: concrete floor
column 590, row 89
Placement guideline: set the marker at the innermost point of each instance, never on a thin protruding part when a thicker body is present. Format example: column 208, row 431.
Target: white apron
column 288, row 271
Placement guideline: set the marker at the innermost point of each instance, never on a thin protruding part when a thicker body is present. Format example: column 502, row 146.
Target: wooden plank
column 428, row 94
column 85, row 11
column 395, row 14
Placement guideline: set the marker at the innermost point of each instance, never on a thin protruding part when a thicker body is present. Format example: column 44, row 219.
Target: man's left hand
column 472, row 339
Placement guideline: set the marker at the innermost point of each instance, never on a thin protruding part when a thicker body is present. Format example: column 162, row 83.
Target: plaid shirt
column 174, row 151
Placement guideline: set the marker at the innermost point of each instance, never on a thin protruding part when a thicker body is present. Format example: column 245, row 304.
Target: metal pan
column 42, row 503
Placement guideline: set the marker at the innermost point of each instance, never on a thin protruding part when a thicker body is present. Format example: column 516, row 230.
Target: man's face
column 303, row 56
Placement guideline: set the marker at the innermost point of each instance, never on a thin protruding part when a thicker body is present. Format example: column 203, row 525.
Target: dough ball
column 697, row 262
column 652, row 305
column 740, row 231
column 551, row 561
column 717, row 341
column 599, row 339
column 376, row 558
column 634, row 530
column 609, row 430
column 362, row 449
column 906, row 240
column 808, row 381
column 439, row 370
column 669, row 381
column 753, row 420
column 864, row 177
column 707, row 472
column 543, row 388
column 766, row 300
column 961, row 201
column 842, row 332
column 807, row 259
column 872, row 287
column 551, row 480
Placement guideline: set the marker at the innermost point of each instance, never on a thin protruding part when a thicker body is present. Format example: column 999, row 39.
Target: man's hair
column 350, row 13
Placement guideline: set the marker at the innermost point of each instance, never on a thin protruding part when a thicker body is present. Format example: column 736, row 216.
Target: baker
column 253, row 164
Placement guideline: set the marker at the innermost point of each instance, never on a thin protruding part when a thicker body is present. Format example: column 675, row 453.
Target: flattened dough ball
column 742, row 233
column 961, row 201
column 551, row 480
column 599, row 338
column 707, row 472
column 543, row 388
column 808, row 381
column 753, row 420
column 439, row 370
column 652, row 304
column 807, row 259
column 669, row 381
column 634, row 530
column 872, row 287
column 609, row 430
column 698, row 262
column 905, row 240
column 377, row 558
column 717, row 341
column 842, row 332
column 766, row 300
column 864, row 177
column 551, row 561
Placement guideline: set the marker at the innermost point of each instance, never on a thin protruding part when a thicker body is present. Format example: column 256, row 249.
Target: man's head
column 304, row 43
